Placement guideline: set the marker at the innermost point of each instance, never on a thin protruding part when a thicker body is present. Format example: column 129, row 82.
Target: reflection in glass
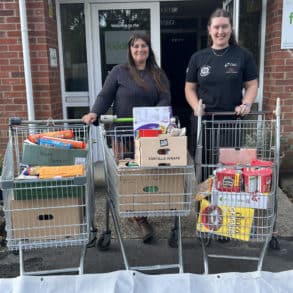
column 74, row 47
column 250, row 26
column 116, row 25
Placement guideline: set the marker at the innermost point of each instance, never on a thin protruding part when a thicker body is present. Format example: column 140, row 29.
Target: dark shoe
column 146, row 229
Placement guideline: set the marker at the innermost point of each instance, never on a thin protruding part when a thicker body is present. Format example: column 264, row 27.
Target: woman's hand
column 89, row 118
column 199, row 109
column 242, row 109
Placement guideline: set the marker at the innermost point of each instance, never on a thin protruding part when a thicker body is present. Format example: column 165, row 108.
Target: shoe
column 145, row 228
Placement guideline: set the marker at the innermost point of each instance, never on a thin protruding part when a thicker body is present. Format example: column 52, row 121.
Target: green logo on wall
column 291, row 17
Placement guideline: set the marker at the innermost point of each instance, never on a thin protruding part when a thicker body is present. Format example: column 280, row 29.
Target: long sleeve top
column 124, row 93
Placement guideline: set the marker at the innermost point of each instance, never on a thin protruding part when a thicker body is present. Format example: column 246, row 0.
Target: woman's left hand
column 242, row 109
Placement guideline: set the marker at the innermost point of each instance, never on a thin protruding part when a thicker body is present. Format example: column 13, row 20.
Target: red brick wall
column 46, row 82
column 278, row 79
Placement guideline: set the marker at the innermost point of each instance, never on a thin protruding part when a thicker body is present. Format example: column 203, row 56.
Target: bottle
column 172, row 125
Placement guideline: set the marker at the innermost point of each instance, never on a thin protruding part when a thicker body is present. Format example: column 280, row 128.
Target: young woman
column 224, row 75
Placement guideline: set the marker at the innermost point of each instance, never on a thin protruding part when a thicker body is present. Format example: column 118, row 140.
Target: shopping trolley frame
column 37, row 197
column 114, row 196
column 261, row 127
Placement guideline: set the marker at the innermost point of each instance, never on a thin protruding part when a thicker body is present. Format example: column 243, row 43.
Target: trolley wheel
column 93, row 238
column 104, row 241
column 173, row 238
column 275, row 243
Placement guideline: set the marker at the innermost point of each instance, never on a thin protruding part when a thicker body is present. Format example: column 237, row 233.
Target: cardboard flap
column 237, row 156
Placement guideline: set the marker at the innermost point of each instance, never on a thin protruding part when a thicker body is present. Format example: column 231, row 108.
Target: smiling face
column 140, row 53
column 220, row 31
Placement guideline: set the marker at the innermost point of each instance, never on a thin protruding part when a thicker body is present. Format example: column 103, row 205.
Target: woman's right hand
column 89, row 118
column 199, row 110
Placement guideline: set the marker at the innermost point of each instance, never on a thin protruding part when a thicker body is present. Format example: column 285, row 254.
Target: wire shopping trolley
column 47, row 187
column 237, row 161
column 134, row 191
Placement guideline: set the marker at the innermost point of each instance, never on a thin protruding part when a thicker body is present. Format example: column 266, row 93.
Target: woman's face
column 220, row 31
column 139, row 52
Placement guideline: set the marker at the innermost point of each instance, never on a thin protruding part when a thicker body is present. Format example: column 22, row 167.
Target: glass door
column 112, row 26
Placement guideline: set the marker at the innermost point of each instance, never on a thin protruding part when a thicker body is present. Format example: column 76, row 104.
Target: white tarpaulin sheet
column 130, row 281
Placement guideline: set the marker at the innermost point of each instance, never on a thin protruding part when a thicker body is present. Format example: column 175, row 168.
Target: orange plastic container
column 68, row 134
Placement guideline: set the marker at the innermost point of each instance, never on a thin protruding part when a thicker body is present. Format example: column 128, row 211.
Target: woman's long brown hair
column 151, row 64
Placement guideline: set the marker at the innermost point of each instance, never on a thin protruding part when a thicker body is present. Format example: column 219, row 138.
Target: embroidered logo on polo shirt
column 205, row 70
column 231, row 67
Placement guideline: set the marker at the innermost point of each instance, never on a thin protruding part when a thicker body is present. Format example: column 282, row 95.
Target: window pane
column 74, row 47
column 76, row 112
column 250, row 26
column 116, row 25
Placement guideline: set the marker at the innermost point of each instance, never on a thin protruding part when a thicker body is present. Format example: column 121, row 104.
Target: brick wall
column 278, row 80
column 46, row 82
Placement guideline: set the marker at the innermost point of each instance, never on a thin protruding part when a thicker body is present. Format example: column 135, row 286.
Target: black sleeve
column 165, row 96
column 107, row 95
column 191, row 71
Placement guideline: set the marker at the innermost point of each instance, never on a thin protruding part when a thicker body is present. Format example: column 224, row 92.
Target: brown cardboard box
column 46, row 219
column 151, row 189
column 161, row 150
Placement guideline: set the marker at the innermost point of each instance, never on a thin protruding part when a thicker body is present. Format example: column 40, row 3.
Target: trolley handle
column 114, row 119
column 15, row 121
column 233, row 113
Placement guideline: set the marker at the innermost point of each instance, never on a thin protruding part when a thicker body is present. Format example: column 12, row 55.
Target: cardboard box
column 46, row 219
column 232, row 222
column 151, row 189
column 36, row 155
column 241, row 199
column 164, row 150
column 46, row 189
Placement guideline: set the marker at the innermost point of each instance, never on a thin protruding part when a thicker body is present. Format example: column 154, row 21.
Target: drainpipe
column 262, row 53
column 26, row 60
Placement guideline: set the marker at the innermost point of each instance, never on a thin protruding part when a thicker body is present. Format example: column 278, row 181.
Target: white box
column 151, row 118
column 241, row 199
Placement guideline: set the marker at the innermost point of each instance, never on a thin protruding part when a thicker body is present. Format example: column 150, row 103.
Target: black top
column 220, row 74
column 124, row 93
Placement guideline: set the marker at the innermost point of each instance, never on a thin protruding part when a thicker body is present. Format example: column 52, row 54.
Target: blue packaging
column 53, row 143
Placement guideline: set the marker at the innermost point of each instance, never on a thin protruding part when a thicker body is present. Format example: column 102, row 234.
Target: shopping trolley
column 134, row 191
column 51, row 211
column 237, row 161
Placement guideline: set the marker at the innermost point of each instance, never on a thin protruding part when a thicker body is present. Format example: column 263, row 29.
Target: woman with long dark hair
column 138, row 83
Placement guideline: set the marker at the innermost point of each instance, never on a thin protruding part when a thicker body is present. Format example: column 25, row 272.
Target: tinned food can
column 250, row 180
column 228, row 179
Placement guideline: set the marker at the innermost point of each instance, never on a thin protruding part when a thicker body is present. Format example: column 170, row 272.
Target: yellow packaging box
column 228, row 221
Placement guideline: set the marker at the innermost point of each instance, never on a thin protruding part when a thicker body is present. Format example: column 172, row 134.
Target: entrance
column 183, row 32
column 113, row 25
